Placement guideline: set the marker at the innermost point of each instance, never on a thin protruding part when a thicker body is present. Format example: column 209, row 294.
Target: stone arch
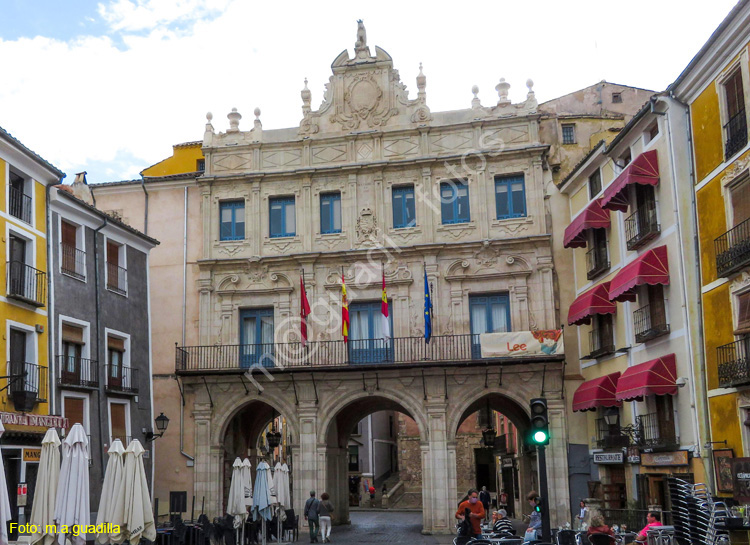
column 508, row 401
column 239, row 400
column 332, row 410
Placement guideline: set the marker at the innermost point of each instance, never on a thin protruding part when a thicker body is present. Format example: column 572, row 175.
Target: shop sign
column 32, row 454
column 41, row 420
column 741, row 479
column 522, row 343
column 608, row 457
column 507, row 462
column 662, row 459
column 634, row 455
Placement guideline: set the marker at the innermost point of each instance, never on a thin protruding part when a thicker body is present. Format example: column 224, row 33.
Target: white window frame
column 126, row 402
column 32, row 346
column 86, row 408
column 125, row 356
column 647, row 140
column 80, row 245
column 28, row 190
column 30, row 257
column 122, row 256
column 86, row 326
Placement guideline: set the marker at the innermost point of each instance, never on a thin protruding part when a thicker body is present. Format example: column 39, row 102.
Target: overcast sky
column 109, row 86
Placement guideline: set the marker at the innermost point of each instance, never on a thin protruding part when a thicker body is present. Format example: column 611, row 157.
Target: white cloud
column 121, row 102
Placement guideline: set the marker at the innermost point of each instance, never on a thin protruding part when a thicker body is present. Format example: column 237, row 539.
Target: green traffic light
column 540, row 437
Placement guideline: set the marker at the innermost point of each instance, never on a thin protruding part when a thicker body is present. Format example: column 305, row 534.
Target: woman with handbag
column 325, row 515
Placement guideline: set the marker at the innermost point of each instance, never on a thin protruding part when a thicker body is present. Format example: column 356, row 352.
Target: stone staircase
column 409, row 500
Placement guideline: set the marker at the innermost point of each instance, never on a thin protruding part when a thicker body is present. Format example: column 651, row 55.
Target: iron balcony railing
column 73, row 261
column 596, row 261
column 601, row 342
column 117, row 279
column 631, row 519
column 641, row 226
column 654, row 432
column 610, row 435
column 121, row 379
column 26, row 283
column 399, row 350
column 77, row 372
column 734, row 368
column 27, row 384
column 736, row 134
column 19, row 204
column 650, row 321
column 733, row 249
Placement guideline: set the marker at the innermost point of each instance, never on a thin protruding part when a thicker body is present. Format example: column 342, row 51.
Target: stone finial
column 421, row 80
column 209, row 126
column 530, row 86
column 234, row 120
column 306, row 98
column 502, row 92
column 257, row 124
column 475, row 102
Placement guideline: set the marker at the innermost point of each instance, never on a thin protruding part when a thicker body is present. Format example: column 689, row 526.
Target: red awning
column 655, row 377
column 644, row 170
column 592, row 217
column 594, row 301
column 649, row 268
column 599, row 392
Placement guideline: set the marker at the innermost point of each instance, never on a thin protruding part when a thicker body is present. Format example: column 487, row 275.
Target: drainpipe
column 50, row 303
column 191, row 459
column 145, row 206
column 698, row 384
column 102, row 431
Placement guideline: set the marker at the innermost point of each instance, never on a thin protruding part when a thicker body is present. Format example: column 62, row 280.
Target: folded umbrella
column 261, row 493
column 72, row 502
column 45, row 495
column 236, row 503
column 247, row 482
column 134, row 506
column 112, row 487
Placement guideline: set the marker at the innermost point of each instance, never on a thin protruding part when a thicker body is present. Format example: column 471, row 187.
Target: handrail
column 732, row 249
column 26, row 283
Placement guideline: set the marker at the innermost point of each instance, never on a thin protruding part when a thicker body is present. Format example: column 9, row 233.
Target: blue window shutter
column 330, row 213
column 325, row 214
column 463, row 212
column 410, row 216
column 232, row 220
column 447, row 201
column 398, row 209
column 276, row 219
column 403, row 207
column 510, row 195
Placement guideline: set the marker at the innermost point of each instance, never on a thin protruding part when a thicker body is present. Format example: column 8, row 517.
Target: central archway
column 337, row 431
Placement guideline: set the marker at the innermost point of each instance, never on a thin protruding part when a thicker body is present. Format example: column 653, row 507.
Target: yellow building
column 715, row 87
column 631, row 229
column 186, row 157
column 24, row 302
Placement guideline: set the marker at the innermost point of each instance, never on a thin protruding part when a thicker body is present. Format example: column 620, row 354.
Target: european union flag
column 427, row 310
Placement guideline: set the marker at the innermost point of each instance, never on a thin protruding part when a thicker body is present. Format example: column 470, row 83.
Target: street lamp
column 161, row 424
column 612, row 416
column 489, row 435
column 273, row 437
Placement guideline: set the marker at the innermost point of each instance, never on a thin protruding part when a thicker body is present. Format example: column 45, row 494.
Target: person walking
column 484, row 497
column 474, row 509
column 583, row 516
column 325, row 513
column 311, row 516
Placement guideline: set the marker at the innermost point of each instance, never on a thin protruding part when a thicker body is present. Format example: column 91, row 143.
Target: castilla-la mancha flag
column 384, row 313
column 344, row 311
column 304, row 311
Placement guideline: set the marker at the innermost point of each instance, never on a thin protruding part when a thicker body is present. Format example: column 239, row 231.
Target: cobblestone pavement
column 381, row 527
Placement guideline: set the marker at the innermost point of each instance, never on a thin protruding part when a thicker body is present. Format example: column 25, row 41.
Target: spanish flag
column 384, row 312
column 304, row 310
column 344, row 311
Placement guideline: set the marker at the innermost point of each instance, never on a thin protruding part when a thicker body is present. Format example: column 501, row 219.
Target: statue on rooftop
column 360, row 46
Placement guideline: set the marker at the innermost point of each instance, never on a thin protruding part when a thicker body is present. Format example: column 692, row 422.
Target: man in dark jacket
column 484, row 497
column 311, row 516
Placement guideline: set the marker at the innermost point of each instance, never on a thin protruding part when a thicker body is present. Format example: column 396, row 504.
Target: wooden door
column 17, row 272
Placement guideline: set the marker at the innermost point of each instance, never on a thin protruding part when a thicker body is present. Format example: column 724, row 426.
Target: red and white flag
column 304, row 311
column 384, row 311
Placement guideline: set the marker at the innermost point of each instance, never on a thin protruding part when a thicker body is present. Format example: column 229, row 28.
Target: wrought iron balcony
column 27, row 385
column 596, row 261
column 654, row 432
column 601, row 343
column 734, row 367
column 733, row 249
column 19, row 204
column 736, row 134
column 641, row 226
column 650, row 321
column 117, row 279
column 610, row 435
column 121, row 379
column 327, row 354
column 77, row 372
column 26, row 283
column 73, row 261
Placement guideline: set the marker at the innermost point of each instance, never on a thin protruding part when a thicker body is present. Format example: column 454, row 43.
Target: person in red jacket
column 476, row 512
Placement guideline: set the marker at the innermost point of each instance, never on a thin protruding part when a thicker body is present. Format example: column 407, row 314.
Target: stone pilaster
column 437, row 465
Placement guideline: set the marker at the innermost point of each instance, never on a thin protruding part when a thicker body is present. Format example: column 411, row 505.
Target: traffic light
column 539, row 421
